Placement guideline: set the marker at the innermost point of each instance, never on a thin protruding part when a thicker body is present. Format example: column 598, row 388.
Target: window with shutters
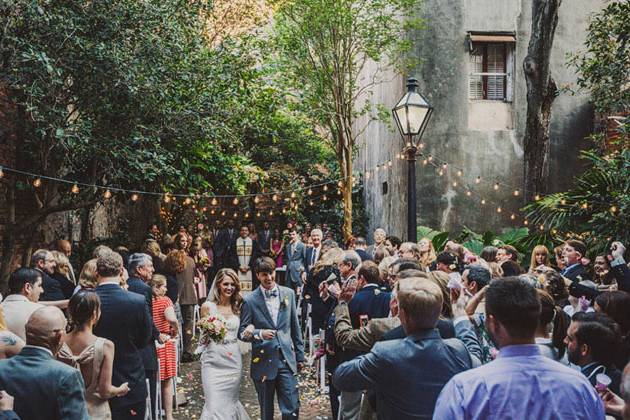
column 490, row 69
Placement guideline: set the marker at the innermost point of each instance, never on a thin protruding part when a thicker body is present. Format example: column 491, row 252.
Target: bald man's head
column 45, row 328
column 64, row 247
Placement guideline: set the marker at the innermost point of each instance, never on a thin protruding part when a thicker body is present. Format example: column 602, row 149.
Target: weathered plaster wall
column 492, row 148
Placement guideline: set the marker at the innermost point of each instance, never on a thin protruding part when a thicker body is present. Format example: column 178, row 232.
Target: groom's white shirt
column 273, row 303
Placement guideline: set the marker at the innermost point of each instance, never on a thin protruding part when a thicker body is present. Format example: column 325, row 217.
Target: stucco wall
column 490, row 149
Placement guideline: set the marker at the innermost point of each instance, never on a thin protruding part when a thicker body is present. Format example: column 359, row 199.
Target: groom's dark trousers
column 285, row 385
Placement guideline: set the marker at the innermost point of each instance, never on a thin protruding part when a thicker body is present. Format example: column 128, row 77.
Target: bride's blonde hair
column 236, row 300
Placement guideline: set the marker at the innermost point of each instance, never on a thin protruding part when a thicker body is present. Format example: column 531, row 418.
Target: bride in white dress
column 221, row 364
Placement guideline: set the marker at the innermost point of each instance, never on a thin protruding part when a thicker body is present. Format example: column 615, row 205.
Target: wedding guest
column 166, row 322
column 125, row 320
column 489, row 254
column 540, row 260
column 295, row 259
column 65, row 247
column 93, row 356
column 556, row 287
column 44, row 388
column 62, row 274
column 264, row 240
column 392, row 243
column 360, row 247
column 88, row 278
column 507, row 256
column 151, row 247
column 187, row 297
column 25, row 289
column 379, row 242
column 557, row 253
column 519, row 379
column 552, row 328
column 10, row 344
column 475, row 278
column 616, row 304
column 312, row 254
column 174, row 264
column 572, row 255
column 410, row 251
column 427, row 253
column 6, row 407
column 408, row 374
column 602, row 271
column 140, row 274
column 592, row 342
column 276, row 247
column 43, row 261
column 202, row 267
column 100, row 250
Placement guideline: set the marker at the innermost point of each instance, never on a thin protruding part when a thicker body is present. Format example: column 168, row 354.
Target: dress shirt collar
column 16, row 298
column 264, row 291
column 517, row 350
column 39, row 348
column 369, row 286
column 109, row 283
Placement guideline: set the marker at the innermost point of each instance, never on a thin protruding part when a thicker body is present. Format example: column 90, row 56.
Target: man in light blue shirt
column 520, row 383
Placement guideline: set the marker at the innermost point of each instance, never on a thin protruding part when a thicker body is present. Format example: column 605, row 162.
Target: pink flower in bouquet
column 212, row 329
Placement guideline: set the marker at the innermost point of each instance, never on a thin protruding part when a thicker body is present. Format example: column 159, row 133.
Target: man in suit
column 224, row 247
column 125, row 320
column 360, row 245
column 572, row 254
column 44, row 388
column 264, row 240
column 269, row 321
column 140, row 272
column 43, row 261
column 367, row 303
column 25, row 288
column 296, row 260
column 408, row 374
column 312, row 254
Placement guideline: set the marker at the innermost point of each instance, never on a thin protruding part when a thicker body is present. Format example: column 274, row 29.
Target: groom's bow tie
column 271, row 293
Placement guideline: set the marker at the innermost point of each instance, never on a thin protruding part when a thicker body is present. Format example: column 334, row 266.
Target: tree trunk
column 541, row 92
column 345, row 164
column 8, row 240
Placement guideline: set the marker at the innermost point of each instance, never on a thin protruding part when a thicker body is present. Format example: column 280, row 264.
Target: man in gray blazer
column 296, row 261
column 408, row 374
column 269, row 321
column 42, row 387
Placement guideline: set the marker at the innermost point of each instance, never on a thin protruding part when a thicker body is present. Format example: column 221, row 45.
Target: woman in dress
column 166, row 322
column 92, row 355
column 202, row 264
column 62, row 274
column 277, row 248
column 221, row 364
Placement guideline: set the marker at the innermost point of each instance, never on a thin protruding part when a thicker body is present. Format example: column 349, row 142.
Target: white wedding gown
column 221, row 370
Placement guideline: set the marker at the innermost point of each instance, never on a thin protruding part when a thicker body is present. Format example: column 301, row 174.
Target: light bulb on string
column 424, row 162
column 205, row 209
column 325, row 187
column 513, row 216
column 468, row 193
column 223, row 213
column 563, row 202
column 235, row 215
column 274, row 197
column 430, row 158
column 496, row 186
column 247, row 215
column 483, row 201
column 584, row 206
column 75, row 189
column 214, row 202
column 256, row 200
column 541, row 227
column 459, row 172
column 390, row 163
column 526, row 222
column 421, row 146
column 134, row 197
column 554, row 231
column 454, row 184
column 284, row 211
column 478, row 180
column 324, row 197
column 37, row 183
column 235, row 201
column 270, row 212
column 1, row 172
column 613, row 209
column 537, row 197
column 292, row 194
column 440, row 172
column 257, row 214
column 517, row 193
column 107, row 194
column 187, row 201
column 444, row 166
column 194, row 206
column 339, row 192
column 310, row 203
column 499, row 210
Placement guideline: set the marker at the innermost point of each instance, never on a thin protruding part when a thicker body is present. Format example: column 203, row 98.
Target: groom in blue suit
column 269, row 321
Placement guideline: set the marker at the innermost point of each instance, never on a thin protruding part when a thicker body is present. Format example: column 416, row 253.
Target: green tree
column 321, row 48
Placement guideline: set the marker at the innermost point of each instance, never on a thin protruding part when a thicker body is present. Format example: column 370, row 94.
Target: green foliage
column 596, row 208
column 604, row 66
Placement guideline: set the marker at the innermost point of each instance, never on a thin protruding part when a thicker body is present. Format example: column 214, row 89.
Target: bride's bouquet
column 213, row 329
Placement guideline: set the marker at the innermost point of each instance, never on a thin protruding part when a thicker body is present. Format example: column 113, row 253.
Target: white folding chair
column 322, row 364
column 158, row 394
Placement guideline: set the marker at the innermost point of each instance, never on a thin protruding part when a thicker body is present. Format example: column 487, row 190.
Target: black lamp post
column 412, row 114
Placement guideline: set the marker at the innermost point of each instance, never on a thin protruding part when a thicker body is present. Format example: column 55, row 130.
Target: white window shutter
column 475, row 83
column 509, row 60
column 496, row 64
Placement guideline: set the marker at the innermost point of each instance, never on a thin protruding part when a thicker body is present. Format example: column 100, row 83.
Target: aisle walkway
column 313, row 405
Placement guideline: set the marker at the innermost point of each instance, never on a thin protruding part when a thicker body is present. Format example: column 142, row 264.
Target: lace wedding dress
column 221, row 370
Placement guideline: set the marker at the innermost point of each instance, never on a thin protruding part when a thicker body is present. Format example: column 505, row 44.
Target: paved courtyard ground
column 313, row 405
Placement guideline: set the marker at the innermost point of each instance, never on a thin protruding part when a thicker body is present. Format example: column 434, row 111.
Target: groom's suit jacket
column 267, row 355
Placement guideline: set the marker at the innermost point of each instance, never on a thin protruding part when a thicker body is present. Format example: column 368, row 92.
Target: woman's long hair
column 236, row 300
column 551, row 313
column 332, row 257
column 539, row 249
column 427, row 258
column 81, row 308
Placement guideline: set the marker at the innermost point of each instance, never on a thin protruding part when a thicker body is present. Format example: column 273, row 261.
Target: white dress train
column 221, row 370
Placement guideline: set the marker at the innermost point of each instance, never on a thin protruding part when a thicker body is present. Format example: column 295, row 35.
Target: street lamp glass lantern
column 412, row 112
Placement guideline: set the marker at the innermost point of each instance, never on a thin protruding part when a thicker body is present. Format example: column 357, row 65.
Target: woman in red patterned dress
column 166, row 322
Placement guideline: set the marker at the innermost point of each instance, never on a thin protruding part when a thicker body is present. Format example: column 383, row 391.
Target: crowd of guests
column 406, row 330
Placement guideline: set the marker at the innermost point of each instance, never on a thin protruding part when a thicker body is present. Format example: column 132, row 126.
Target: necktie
column 314, row 256
column 271, row 293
